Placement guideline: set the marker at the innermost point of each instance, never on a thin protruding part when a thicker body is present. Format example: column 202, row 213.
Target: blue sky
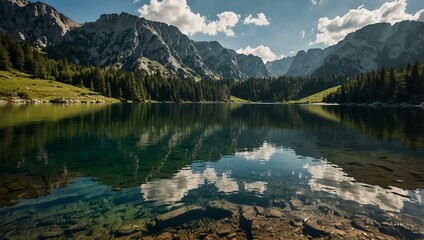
column 267, row 28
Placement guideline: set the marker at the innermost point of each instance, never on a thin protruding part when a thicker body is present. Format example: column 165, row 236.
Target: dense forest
column 139, row 86
column 277, row 89
column 405, row 85
column 389, row 86
column 111, row 82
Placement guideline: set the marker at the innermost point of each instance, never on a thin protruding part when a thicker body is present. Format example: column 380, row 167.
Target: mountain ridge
column 133, row 43
column 369, row 48
column 123, row 41
column 37, row 23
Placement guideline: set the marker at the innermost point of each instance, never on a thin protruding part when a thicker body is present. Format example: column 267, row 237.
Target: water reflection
column 262, row 153
column 172, row 191
column 175, row 154
column 331, row 178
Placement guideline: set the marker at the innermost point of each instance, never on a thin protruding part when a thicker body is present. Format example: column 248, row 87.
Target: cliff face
column 279, row 67
column 369, row 48
column 124, row 41
column 37, row 23
column 131, row 42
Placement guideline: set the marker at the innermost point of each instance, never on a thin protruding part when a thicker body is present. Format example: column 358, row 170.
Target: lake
column 209, row 171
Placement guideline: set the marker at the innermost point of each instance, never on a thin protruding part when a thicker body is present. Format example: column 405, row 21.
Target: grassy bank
column 15, row 85
column 317, row 97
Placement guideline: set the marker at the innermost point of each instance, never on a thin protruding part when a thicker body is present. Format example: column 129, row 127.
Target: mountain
column 305, row 63
column 376, row 46
column 37, row 23
column 369, row 48
column 124, row 41
column 133, row 43
column 227, row 63
column 279, row 67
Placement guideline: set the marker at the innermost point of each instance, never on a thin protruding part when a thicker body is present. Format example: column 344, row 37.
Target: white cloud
column 302, row 34
column 264, row 153
column 261, row 51
column 261, row 20
column 173, row 190
column 292, row 52
column 227, row 20
column 315, row 2
column 330, row 178
column 179, row 14
column 259, row 187
column 331, row 31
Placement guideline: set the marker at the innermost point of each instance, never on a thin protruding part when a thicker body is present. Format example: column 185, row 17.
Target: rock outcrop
column 279, row 67
column 369, row 48
column 37, row 23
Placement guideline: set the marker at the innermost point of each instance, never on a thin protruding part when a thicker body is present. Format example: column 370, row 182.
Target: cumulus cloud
column 260, row 20
column 302, row 34
column 227, row 20
column 331, row 31
column 179, row 14
column 261, row 51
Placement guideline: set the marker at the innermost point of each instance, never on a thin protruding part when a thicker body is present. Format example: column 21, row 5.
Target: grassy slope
column 14, row 83
column 317, row 97
column 237, row 100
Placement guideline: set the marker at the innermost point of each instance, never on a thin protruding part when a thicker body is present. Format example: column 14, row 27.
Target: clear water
column 86, row 170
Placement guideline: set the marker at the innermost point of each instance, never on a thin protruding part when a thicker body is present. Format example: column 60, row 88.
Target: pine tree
column 28, row 58
column 4, row 59
column 99, row 80
column 391, row 86
column 108, row 90
column 17, row 56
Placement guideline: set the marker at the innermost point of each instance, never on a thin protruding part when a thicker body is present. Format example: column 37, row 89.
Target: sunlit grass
column 317, row 97
column 16, row 84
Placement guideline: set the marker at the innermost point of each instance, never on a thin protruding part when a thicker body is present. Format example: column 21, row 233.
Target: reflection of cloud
column 168, row 191
column 330, row 178
column 227, row 185
column 263, row 153
column 258, row 187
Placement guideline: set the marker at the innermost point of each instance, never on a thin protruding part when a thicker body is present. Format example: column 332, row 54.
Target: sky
column 270, row 29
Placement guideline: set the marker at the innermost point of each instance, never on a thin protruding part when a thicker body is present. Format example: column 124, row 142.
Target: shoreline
column 101, row 101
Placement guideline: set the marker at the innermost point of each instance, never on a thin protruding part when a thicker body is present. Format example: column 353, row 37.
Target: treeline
column 139, row 86
column 283, row 88
column 135, row 86
column 405, row 85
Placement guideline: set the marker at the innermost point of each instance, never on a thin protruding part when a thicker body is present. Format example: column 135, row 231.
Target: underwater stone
column 51, row 233
column 274, row 212
column 248, row 212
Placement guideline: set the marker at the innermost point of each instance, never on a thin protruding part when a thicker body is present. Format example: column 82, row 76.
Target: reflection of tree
column 404, row 125
column 127, row 145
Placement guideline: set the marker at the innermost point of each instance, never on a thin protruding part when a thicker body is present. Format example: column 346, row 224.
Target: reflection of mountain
column 330, row 178
column 129, row 145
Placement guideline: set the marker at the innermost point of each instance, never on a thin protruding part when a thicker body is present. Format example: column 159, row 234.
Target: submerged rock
column 248, row 212
column 178, row 212
column 274, row 213
column 51, row 233
column 127, row 230
column 225, row 230
column 313, row 229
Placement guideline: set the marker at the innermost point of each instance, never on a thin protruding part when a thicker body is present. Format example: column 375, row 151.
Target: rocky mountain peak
column 37, row 23
column 279, row 67
column 125, row 41
column 369, row 48
column 20, row 3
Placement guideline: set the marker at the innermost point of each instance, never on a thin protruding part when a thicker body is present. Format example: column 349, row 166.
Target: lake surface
column 211, row 171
